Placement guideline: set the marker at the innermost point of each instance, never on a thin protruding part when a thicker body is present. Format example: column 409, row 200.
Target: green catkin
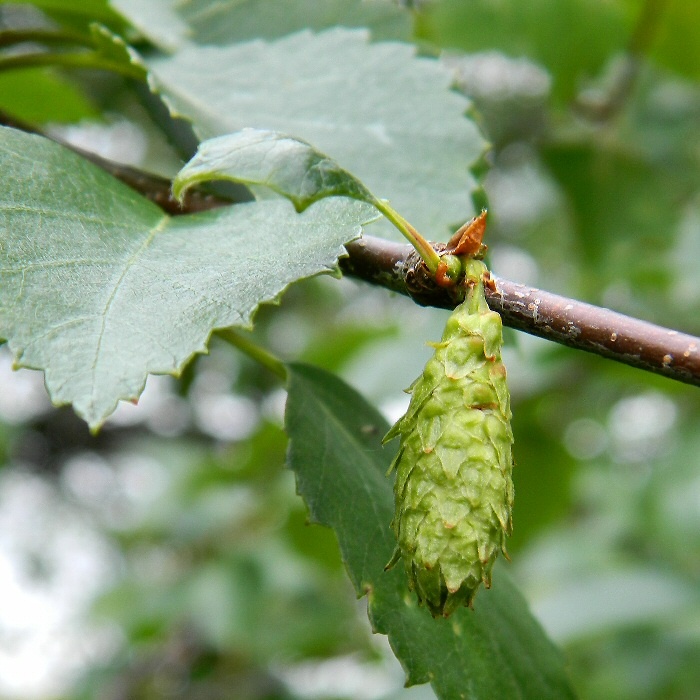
column 453, row 489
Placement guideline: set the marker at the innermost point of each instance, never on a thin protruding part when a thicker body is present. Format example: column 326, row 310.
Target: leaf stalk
column 422, row 246
column 255, row 352
column 11, row 37
column 87, row 60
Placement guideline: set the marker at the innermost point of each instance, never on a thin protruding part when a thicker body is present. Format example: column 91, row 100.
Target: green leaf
column 289, row 166
column 110, row 53
column 112, row 47
column 573, row 38
column 673, row 29
column 386, row 115
column 235, row 20
column 39, row 95
column 79, row 14
column 158, row 20
column 496, row 650
column 99, row 287
column 168, row 23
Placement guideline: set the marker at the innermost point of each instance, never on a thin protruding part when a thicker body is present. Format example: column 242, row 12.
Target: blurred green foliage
column 594, row 188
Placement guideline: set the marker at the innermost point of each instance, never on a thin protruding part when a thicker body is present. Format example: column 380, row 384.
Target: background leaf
column 572, row 39
column 384, row 114
column 207, row 22
column 675, row 29
column 38, row 95
column 231, row 20
column 158, row 20
column 496, row 650
column 79, row 14
column 101, row 288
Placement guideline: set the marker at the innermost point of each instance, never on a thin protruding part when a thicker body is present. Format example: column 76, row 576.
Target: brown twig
column 153, row 187
column 398, row 267
column 573, row 323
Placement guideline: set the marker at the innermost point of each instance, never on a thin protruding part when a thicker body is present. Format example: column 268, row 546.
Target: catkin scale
column 453, row 489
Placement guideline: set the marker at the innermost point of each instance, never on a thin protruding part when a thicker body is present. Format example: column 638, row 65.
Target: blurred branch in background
column 604, row 106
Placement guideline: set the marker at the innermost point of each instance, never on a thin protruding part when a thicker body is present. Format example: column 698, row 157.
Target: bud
column 453, row 489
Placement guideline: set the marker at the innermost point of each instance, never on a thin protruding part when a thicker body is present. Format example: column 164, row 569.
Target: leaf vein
column 129, row 264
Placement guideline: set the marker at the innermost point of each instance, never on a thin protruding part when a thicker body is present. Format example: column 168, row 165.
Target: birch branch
column 397, row 267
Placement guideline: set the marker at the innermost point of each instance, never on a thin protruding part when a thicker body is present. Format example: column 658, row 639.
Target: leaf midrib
column 160, row 226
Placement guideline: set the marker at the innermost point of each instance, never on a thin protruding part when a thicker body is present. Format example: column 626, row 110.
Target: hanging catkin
column 453, row 489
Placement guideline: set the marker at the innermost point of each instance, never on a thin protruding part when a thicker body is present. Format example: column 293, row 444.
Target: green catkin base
column 453, row 489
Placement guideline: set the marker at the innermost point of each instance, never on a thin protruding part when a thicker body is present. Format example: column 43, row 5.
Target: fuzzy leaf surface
column 99, row 287
column 79, row 14
column 497, row 650
column 289, row 166
column 159, row 20
column 169, row 22
column 384, row 114
column 217, row 22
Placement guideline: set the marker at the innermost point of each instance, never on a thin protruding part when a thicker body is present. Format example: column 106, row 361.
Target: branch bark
column 573, row 323
column 397, row 267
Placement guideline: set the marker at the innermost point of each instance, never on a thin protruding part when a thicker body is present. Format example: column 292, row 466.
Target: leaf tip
column 179, row 187
column 95, row 428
